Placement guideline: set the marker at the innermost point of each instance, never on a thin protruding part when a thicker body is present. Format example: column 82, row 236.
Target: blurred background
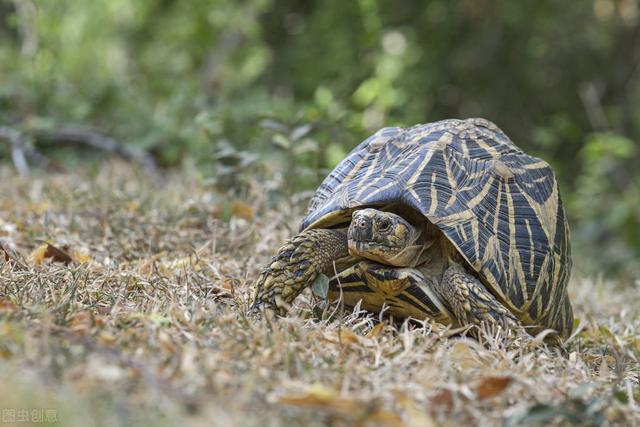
column 236, row 91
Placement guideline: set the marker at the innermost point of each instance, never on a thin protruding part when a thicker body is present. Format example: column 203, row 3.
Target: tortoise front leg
column 295, row 266
column 470, row 301
column 406, row 292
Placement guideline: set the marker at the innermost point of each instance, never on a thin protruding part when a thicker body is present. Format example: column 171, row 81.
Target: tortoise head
column 385, row 237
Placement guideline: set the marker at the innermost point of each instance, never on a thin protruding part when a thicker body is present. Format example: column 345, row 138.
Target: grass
column 145, row 326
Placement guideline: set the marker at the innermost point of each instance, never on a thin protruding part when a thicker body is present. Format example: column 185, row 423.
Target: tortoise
column 449, row 221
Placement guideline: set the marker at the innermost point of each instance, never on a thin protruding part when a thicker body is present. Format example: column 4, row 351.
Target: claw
column 254, row 311
column 258, row 310
column 295, row 267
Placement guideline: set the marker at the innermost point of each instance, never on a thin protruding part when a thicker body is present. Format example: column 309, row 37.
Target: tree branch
column 21, row 150
column 83, row 136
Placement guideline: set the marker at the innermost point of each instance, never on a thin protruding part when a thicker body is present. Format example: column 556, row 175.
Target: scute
column 499, row 206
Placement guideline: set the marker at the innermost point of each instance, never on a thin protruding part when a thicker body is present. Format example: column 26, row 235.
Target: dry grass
column 146, row 326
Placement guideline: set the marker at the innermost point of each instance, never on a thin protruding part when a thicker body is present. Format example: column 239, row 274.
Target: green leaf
column 300, row 131
column 273, row 126
column 306, row 146
column 281, row 141
column 320, row 286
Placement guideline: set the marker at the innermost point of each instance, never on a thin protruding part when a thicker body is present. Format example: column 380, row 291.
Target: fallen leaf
column 347, row 336
column 166, row 343
column 191, row 263
column 229, row 284
column 462, row 353
column 79, row 256
column 47, row 250
column 38, row 255
column 491, row 386
column 242, row 210
column 487, row 387
column 325, row 399
column 320, row 287
column 415, row 416
column 39, row 208
column 7, row 306
column 4, row 252
column 444, row 398
column 384, row 417
column 107, row 339
column 376, row 330
column 133, row 206
column 145, row 266
column 321, row 397
column 81, row 323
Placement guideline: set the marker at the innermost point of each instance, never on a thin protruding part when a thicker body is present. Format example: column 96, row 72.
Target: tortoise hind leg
column 405, row 292
column 470, row 301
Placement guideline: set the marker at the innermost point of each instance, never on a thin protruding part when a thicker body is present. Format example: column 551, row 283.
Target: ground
column 122, row 301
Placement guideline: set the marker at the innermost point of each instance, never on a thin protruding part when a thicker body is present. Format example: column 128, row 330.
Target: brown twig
column 91, row 138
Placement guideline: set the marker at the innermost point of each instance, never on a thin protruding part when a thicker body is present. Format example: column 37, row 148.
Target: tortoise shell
column 498, row 206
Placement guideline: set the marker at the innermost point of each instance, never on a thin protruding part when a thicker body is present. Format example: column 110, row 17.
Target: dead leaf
column 487, row 388
column 384, row 417
column 81, row 323
column 47, row 250
column 347, row 336
column 79, row 257
column 166, row 343
column 444, row 398
column 344, row 337
column 242, row 210
column 462, row 353
column 145, row 266
column 229, row 284
column 191, row 262
column 133, row 206
column 415, row 416
column 492, row 386
column 4, row 252
column 376, row 330
column 107, row 339
column 323, row 398
column 7, row 306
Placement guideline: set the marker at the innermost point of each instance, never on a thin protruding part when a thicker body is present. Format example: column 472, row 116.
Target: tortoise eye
column 384, row 225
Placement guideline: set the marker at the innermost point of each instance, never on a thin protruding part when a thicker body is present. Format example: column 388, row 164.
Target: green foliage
column 606, row 204
column 194, row 83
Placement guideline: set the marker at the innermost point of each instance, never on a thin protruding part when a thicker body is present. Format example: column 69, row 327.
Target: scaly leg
column 295, row 266
column 470, row 301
